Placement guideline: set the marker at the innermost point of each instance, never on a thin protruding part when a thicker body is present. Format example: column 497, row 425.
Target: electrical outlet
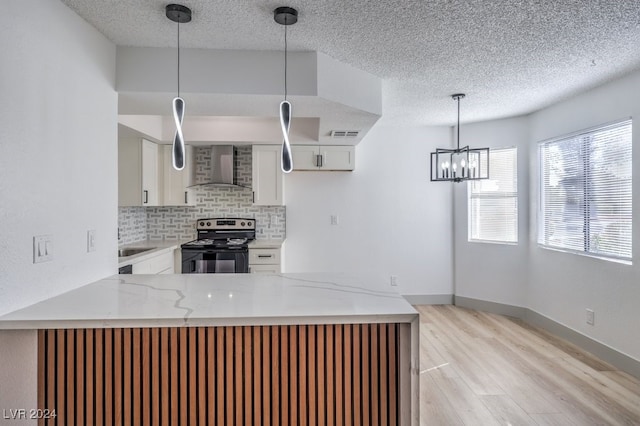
column 42, row 248
column 334, row 219
column 91, row 240
column 394, row 280
column 590, row 317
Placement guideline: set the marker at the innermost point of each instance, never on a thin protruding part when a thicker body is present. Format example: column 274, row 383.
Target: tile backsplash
column 178, row 223
column 132, row 225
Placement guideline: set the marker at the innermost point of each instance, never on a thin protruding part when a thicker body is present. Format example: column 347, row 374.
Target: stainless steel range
column 222, row 246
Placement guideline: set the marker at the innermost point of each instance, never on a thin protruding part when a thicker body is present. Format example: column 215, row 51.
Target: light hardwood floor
column 484, row 369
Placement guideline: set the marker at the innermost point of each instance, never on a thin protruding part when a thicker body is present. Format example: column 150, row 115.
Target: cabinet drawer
column 264, row 256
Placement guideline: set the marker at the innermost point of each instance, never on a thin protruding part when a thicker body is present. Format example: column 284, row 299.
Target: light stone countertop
column 216, row 299
column 157, row 247
column 266, row 244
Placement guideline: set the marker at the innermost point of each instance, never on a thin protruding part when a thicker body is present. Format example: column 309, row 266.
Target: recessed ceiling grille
column 344, row 133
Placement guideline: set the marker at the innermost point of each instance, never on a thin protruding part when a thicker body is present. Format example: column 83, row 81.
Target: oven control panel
column 226, row 223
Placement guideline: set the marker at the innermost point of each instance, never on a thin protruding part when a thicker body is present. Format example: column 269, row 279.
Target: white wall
column 494, row 272
column 562, row 286
column 392, row 219
column 58, row 144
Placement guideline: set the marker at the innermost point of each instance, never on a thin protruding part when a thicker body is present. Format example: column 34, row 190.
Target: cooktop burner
column 223, row 233
column 228, row 242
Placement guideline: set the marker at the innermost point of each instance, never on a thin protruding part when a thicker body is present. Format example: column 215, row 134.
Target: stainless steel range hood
column 222, row 167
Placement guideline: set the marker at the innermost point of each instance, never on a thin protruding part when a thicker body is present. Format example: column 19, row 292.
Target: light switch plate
column 91, row 240
column 591, row 317
column 42, row 248
column 334, row 219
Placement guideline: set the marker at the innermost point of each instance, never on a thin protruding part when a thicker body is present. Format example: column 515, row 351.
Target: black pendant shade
column 179, row 14
column 285, row 16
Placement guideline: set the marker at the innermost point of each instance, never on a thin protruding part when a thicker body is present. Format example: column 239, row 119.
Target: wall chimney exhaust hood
column 222, row 167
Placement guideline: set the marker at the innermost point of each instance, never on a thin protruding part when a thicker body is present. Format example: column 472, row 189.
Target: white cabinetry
column 264, row 260
column 137, row 173
column 162, row 263
column 326, row 157
column 266, row 175
column 176, row 183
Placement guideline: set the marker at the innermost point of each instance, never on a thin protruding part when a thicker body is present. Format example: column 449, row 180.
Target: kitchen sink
column 131, row 251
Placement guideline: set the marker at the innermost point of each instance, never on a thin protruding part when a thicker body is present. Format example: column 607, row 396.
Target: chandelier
column 460, row 164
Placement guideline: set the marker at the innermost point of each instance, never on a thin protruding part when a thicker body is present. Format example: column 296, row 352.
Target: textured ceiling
column 510, row 57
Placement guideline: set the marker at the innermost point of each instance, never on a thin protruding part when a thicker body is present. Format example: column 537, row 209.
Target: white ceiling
column 510, row 57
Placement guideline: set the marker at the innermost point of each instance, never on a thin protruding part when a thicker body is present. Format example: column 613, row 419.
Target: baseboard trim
column 487, row 306
column 601, row 350
column 606, row 353
column 429, row 299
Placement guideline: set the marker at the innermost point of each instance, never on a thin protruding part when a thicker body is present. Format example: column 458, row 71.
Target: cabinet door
column 129, row 172
column 305, row 157
column 266, row 175
column 264, row 269
column 338, row 157
column 149, row 173
column 176, row 183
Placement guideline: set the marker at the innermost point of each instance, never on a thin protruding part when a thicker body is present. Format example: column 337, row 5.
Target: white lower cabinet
column 325, row 157
column 162, row 263
column 264, row 261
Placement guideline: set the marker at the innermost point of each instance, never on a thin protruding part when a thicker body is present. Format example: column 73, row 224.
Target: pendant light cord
column 458, row 124
column 178, row 58
column 285, row 58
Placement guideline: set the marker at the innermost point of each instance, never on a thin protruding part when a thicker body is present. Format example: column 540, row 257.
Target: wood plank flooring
column 484, row 369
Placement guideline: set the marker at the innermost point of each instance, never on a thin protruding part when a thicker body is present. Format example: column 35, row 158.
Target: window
column 585, row 192
column 493, row 203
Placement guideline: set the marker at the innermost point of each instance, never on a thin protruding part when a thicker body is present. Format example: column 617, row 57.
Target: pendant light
column 460, row 164
column 285, row 16
column 181, row 15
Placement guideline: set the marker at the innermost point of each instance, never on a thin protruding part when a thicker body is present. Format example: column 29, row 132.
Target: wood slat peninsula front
column 263, row 367
column 342, row 374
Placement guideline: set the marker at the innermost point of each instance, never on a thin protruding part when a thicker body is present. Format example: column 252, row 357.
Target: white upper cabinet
column 176, row 183
column 137, row 173
column 150, row 185
column 326, row 157
column 305, row 157
column 338, row 157
column 266, row 175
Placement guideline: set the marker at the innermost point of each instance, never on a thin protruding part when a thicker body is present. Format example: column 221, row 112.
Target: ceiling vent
column 344, row 133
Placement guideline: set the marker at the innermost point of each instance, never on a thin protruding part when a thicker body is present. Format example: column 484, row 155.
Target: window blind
column 585, row 192
column 493, row 203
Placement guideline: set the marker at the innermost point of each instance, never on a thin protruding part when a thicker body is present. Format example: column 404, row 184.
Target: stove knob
column 201, row 223
column 208, row 223
column 241, row 223
column 249, row 223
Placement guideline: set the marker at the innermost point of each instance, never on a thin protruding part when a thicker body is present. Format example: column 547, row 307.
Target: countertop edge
column 159, row 247
column 266, row 244
column 205, row 322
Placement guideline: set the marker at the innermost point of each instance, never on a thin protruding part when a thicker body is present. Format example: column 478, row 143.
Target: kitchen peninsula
column 226, row 348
